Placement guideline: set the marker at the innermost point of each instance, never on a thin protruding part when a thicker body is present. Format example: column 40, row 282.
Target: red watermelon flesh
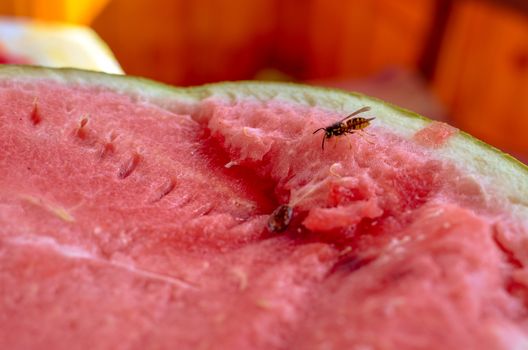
column 126, row 223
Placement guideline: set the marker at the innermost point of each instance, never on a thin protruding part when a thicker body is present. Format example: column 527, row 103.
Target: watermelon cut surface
column 134, row 215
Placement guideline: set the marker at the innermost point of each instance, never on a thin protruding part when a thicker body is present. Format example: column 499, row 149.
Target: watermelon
column 135, row 215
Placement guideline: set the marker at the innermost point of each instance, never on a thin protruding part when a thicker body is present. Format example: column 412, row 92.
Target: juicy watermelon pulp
column 133, row 216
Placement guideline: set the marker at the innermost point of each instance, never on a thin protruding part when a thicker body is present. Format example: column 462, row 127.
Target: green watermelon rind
column 495, row 169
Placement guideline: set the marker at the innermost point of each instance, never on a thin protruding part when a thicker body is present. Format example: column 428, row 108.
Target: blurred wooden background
column 471, row 54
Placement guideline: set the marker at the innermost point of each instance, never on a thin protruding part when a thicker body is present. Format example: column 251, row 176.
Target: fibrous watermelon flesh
column 133, row 222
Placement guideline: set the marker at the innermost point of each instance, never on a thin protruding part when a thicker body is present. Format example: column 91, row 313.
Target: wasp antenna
column 318, row 130
column 322, row 143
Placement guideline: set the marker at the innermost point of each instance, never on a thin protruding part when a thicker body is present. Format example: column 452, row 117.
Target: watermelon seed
column 81, row 131
column 280, row 218
column 108, row 146
column 35, row 114
column 508, row 253
column 129, row 166
column 113, row 136
column 351, row 262
column 84, row 121
column 164, row 190
column 208, row 210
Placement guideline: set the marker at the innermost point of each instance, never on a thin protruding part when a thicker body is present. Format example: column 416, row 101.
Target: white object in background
column 56, row 45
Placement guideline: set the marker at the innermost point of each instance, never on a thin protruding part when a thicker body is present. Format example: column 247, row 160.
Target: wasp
column 347, row 125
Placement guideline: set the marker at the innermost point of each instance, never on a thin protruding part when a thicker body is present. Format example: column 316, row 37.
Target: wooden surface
column 482, row 74
column 192, row 42
column 72, row 11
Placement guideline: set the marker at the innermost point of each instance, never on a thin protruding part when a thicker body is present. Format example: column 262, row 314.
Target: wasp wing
column 361, row 110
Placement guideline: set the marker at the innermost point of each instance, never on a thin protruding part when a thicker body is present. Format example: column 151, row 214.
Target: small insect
column 347, row 125
column 280, row 218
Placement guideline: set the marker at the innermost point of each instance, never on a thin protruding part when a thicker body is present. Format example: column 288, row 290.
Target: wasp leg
column 335, row 142
column 361, row 134
column 348, row 139
column 364, row 133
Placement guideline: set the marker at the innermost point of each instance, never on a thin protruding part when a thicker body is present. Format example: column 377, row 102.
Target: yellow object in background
column 72, row 11
column 47, row 40
column 56, row 45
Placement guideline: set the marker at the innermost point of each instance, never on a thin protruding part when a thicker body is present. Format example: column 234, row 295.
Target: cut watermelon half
column 135, row 215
